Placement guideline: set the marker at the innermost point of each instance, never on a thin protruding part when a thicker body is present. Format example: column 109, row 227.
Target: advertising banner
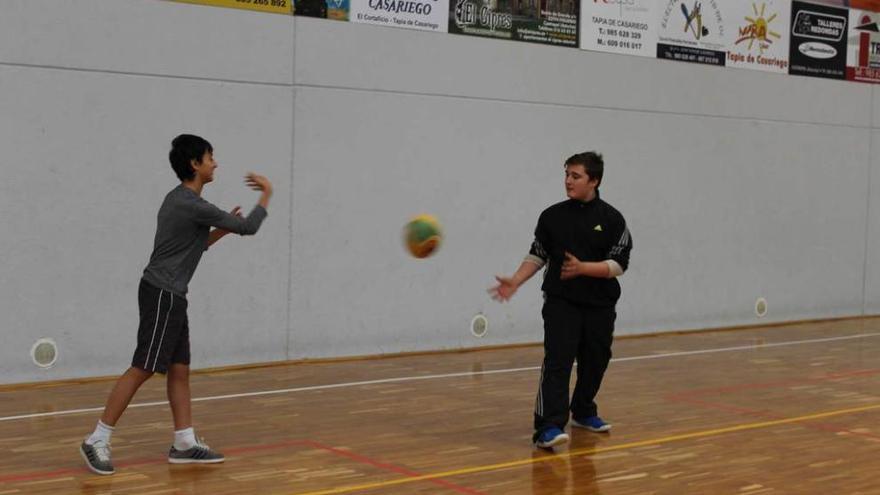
column 818, row 45
column 491, row 19
column 863, row 54
column 324, row 9
column 760, row 35
column 273, row 6
column 620, row 26
column 426, row 15
column 693, row 31
column 552, row 22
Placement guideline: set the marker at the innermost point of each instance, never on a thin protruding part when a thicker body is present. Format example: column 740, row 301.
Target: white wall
column 736, row 184
column 91, row 93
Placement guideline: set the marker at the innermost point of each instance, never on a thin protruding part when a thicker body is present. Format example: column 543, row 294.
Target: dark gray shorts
column 163, row 333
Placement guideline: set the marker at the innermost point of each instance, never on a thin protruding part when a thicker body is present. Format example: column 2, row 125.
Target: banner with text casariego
column 426, row 15
column 620, row 26
column 693, row 31
column 760, row 37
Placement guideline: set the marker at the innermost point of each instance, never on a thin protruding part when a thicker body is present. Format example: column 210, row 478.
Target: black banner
column 818, row 40
column 552, row 22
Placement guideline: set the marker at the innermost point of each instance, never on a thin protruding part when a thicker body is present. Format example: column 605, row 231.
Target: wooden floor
column 784, row 410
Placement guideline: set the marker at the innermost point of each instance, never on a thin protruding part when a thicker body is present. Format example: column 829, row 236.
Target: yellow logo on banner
column 273, row 6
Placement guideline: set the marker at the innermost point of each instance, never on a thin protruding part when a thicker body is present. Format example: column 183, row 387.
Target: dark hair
column 592, row 162
column 184, row 149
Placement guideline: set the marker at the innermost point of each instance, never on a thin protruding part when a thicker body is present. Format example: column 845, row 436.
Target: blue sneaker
column 592, row 423
column 551, row 437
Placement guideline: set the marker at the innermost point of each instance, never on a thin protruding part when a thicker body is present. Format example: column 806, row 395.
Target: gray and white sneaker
column 200, row 453
column 97, row 457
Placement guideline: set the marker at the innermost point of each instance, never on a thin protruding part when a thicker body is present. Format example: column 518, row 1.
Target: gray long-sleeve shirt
column 185, row 219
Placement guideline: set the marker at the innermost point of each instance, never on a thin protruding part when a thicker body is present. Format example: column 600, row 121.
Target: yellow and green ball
column 422, row 236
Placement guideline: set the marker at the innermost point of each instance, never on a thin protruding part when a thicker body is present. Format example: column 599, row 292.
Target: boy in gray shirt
column 184, row 231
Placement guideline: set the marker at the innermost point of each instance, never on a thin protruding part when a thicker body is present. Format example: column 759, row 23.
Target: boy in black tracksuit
column 584, row 244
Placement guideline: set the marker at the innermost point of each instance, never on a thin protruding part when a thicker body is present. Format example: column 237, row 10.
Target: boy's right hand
column 258, row 182
column 505, row 289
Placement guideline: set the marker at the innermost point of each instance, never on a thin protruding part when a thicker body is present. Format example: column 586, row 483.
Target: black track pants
column 572, row 332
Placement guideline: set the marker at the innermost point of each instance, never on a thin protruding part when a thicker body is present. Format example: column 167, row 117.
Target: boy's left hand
column 571, row 267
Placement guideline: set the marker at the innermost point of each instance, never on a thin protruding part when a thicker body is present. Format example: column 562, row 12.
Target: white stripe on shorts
column 158, row 349
column 156, row 325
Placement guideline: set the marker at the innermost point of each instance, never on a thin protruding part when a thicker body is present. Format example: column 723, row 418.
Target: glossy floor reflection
column 788, row 409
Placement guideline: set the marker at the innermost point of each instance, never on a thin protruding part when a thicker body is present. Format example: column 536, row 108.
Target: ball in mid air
column 422, row 236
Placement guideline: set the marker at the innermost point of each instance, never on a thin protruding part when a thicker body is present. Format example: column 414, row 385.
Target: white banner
column 694, row 31
column 620, row 26
column 863, row 46
column 760, row 34
column 426, row 15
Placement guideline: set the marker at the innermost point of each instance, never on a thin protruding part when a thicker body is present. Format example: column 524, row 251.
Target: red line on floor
column 241, row 450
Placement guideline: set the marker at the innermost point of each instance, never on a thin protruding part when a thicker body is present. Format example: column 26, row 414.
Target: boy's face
column 205, row 168
column 579, row 185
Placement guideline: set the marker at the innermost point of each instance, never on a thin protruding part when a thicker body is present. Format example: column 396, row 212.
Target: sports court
column 310, row 247
column 785, row 409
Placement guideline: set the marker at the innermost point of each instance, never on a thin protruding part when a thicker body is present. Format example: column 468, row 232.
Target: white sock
column 102, row 432
column 185, row 439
